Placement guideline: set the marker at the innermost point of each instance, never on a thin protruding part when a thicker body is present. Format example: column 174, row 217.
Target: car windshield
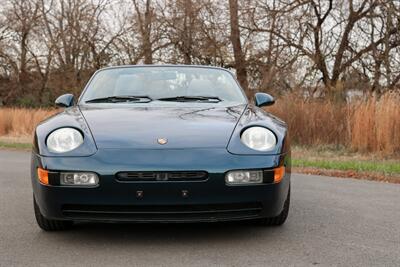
column 158, row 84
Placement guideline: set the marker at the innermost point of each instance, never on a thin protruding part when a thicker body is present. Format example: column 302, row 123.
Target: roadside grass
column 385, row 168
column 16, row 142
column 339, row 161
column 19, row 146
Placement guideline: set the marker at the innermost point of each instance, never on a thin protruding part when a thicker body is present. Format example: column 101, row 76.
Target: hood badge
column 162, row 141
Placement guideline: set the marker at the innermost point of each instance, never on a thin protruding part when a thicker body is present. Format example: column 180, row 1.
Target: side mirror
column 65, row 101
column 263, row 99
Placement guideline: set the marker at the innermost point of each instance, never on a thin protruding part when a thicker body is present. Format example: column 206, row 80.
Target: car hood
column 141, row 127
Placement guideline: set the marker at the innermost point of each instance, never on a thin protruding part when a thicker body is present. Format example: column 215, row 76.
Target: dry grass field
column 364, row 126
column 20, row 122
column 371, row 125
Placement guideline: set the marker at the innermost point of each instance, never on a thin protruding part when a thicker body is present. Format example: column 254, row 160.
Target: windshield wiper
column 213, row 99
column 122, row 98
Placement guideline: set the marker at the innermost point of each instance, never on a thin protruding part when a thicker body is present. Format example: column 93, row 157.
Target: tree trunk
column 187, row 39
column 240, row 61
column 23, row 62
column 147, row 48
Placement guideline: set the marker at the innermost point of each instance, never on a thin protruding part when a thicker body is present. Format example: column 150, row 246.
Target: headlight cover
column 64, row 140
column 259, row 138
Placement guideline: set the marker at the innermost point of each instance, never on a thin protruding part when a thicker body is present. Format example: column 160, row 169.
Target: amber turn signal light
column 279, row 173
column 43, row 176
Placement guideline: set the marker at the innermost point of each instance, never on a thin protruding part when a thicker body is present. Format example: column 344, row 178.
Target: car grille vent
column 162, row 176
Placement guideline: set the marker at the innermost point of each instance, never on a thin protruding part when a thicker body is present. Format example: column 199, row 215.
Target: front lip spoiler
column 165, row 213
column 163, row 221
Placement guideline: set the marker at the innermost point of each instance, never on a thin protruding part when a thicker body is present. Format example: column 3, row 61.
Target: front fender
column 70, row 117
column 255, row 116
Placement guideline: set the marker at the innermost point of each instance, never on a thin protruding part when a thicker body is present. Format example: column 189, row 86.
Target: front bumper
column 161, row 201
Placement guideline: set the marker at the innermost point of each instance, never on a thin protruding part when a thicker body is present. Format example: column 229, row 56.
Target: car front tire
column 281, row 218
column 49, row 225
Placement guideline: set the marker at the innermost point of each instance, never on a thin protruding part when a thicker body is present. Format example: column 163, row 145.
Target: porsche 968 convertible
column 161, row 143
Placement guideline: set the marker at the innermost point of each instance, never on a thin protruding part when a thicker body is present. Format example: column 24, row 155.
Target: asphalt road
column 333, row 221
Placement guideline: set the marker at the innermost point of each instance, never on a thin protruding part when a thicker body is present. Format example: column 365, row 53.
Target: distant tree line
column 322, row 47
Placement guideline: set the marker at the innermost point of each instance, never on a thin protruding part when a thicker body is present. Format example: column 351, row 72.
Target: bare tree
column 180, row 19
column 144, row 19
column 330, row 38
column 194, row 37
column 323, row 47
column 22, row 17
column 383, row 62
column 80, row 41
column 271, row 64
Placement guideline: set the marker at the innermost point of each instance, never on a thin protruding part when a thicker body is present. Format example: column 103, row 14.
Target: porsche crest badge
column 162, row 141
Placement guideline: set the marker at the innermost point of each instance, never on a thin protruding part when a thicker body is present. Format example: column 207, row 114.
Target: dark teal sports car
column 161, row 144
